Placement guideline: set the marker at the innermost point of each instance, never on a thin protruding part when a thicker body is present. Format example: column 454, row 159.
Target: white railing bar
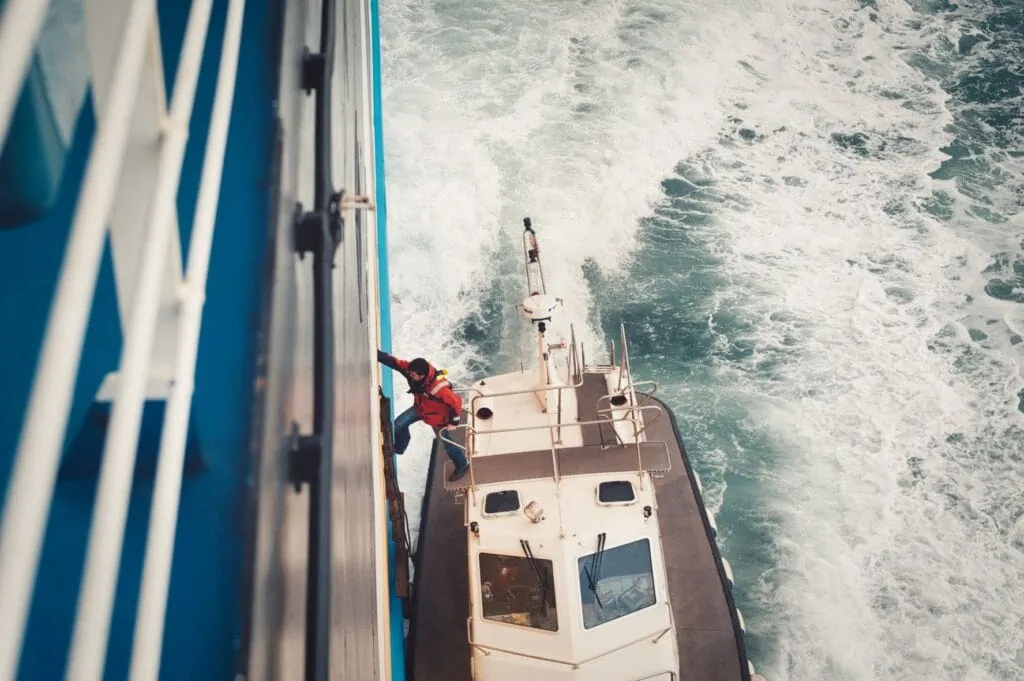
column 106, row 536
column 484, row 648
column 633, row 404
column 476, row 393
column 30, row 490
column 469, row 449
column 487, row 396
column 21, row 22
column 638, row 428
column 622, row 360
column 163, row 519
column 631, row 409
column 631, row 389
column 549, row 426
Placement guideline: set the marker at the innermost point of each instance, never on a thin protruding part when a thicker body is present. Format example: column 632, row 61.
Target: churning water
column 810, row 217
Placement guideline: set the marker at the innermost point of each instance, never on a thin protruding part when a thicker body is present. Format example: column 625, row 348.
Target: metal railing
column 575, row 664
column 574, row 372
column 471, row 434
column 629, row 391
column 624, row 358
column 31, row 487
column 477, row 395
column 632, row 405
column 635, row 409
column 636, row 417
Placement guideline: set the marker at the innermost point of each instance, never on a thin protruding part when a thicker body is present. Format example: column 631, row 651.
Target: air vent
column 505, row 502
column 616, row 492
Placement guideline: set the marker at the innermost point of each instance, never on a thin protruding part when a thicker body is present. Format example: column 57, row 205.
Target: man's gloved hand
column 454, row 421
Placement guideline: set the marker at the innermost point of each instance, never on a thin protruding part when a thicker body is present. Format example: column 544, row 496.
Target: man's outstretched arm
column 392, row 361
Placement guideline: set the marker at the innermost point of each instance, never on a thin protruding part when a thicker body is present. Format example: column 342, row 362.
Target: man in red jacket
column 434, row 402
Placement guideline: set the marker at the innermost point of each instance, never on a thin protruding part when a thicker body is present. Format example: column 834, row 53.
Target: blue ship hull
column 209, row 631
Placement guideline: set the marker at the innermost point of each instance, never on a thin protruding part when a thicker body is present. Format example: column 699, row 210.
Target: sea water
column 809, row 215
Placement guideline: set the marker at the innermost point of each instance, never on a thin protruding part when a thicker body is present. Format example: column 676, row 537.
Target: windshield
column 514, row 591
column 616, row 582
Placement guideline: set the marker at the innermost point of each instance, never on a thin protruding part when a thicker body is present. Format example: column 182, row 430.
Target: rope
column 396, row 502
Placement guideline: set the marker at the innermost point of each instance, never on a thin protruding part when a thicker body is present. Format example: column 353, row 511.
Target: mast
column 539, row 307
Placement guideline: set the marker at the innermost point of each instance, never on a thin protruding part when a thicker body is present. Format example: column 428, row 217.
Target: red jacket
column 435, row 401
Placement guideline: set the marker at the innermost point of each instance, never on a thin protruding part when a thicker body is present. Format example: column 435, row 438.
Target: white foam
column 482, row 128
column 893, row 552
column 894, row 502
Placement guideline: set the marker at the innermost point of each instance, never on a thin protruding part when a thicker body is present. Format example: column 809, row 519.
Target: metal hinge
column 312, row 70
column 308, row 226
column 304, row 452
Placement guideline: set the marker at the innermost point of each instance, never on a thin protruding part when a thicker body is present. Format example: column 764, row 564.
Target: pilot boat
column 578, row 546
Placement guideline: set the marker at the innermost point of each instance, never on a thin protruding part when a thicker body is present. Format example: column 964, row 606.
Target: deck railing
column 632, row 404
column 635, row 410
column 31, row 486
column 470, row 438
column 653, row 638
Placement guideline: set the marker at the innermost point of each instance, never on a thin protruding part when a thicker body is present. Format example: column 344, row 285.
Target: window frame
column 586, row 560
column 546, row 565
column 628, row 502
column 503, row 514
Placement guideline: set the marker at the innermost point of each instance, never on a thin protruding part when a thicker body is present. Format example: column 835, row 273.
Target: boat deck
column 707, row 628
column 592, row 389
column 589, row 459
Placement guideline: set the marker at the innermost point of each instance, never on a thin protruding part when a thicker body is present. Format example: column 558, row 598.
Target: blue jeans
column 402, row 437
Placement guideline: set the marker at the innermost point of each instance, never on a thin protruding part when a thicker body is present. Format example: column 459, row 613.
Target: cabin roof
column 571, row 509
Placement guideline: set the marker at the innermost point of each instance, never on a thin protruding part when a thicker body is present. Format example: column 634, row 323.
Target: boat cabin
column 566, row 569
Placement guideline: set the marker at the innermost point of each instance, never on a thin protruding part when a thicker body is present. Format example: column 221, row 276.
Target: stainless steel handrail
column 487, row 649
column 526, row 391
column 472, row 432
column 658, row 412
column 647, row 395
column 635, row 408
column 547, row 426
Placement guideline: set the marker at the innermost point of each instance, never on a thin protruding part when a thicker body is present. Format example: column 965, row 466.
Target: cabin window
column 501, row 503
column 516, row 590
column 616, row 492
column 616, row 582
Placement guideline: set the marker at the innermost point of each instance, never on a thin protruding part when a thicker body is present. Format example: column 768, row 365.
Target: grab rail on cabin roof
column 550, row 426
column 636, row 408
column 479, row 395
column 655, row 637
column 574, row 372
column 31, row 485
column 471, row 434
column 632, row 404
column 630, row 389
column 624, row 361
